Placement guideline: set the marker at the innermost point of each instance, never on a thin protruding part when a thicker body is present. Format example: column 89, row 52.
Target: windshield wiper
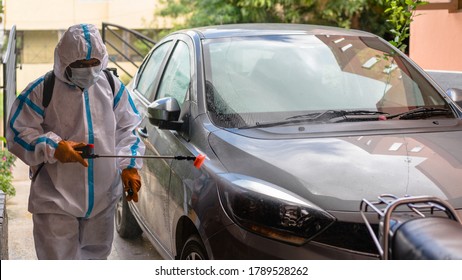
column 363, row 112
column 290, row 120
column 358, row 116
column 310, row 116
column 332, row 114
column 321, row 116
column 421, row 113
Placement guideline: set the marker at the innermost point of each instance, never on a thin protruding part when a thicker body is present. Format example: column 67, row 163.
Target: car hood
column 336, row 173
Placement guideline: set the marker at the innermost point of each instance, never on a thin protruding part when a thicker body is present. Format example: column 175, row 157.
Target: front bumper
column 233, row 242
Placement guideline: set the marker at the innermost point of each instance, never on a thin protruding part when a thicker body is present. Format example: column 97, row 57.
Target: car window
column 269, row 78
column 176, row 78
column 146, row 82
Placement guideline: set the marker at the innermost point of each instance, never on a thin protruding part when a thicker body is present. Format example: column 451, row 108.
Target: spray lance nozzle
column 87, row 151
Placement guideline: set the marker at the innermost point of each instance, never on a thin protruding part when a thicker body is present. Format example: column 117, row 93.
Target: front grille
column 351, row 236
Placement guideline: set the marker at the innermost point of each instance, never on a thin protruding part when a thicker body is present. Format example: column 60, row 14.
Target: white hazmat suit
column 73, row 206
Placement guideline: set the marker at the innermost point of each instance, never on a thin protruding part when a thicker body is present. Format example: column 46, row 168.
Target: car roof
column 260, row 29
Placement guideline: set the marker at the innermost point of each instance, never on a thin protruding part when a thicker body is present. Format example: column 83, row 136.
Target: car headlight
column 271, row 211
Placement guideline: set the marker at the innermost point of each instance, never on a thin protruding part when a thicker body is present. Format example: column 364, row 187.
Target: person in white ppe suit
column 73, row 199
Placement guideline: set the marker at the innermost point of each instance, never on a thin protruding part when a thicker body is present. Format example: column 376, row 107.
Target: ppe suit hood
column 82, row 41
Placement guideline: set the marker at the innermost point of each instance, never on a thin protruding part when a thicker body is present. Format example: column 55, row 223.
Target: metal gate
column 126, row 47
column 9, row 76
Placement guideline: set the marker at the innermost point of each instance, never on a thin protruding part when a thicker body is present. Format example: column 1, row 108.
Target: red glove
column 65, row 152
column 132, row 183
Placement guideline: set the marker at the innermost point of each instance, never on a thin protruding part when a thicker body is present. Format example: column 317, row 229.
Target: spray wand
column 87, row 151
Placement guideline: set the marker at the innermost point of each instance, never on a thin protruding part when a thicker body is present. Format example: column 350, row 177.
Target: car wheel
column 194, row 249
column 126, row 224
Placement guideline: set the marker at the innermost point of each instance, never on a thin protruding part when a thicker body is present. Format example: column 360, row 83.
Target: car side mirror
column 164, row 113
column 456, row 95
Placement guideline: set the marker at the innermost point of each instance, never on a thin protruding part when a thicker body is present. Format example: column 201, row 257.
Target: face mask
column 85, row 77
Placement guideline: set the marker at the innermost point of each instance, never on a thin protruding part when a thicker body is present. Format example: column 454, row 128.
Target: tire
column 194, row 249
column 126, row 225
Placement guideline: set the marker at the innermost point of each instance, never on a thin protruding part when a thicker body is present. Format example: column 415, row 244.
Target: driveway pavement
column 447, row 79
column 21, row 242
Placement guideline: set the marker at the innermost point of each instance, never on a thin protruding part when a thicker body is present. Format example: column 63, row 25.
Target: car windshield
column 276, row 79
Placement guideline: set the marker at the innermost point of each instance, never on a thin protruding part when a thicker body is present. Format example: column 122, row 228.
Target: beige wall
column 38, row 46
column 39, row 23
column 29, row 73
column 436, row 39
column 60, row 14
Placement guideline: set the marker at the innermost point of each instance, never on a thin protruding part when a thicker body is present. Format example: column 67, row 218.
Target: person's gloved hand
column 65, row 152
column 132, row 183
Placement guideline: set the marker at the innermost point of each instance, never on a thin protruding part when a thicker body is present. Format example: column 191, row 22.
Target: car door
column 176, row 82
column 173, row 81
column 152, row 203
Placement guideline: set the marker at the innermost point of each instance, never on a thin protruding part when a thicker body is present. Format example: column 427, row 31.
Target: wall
column 436, row 38
column 38, row 46
column 40, row 22
column 60, row 14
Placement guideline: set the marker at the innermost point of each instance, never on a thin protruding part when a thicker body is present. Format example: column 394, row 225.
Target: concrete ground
column 20, row 239
column 447, row 79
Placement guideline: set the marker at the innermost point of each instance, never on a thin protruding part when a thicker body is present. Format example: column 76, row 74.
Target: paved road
column 447, row 79
column 20, row 240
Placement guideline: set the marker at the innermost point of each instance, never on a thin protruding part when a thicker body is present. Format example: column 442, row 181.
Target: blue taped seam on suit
column 86, row 33
column 47, row 141
column 134, row 149
column 119, row 95
column 91, row 140
column 25, row 100
column 132, row 104
column 31, row 104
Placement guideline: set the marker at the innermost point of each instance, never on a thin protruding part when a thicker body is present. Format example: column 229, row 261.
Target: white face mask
column 85, row 77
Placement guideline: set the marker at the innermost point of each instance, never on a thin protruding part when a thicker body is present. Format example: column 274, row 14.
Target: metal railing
column 126, row 47
column 9, row 76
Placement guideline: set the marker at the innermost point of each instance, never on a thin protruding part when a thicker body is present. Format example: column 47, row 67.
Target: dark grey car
column 298, row 123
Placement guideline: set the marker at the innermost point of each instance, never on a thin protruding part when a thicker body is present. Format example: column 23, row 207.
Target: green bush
column 400, row 15
column 7, row 160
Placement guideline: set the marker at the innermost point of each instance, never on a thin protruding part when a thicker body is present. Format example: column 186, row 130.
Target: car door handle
column 143, row 132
